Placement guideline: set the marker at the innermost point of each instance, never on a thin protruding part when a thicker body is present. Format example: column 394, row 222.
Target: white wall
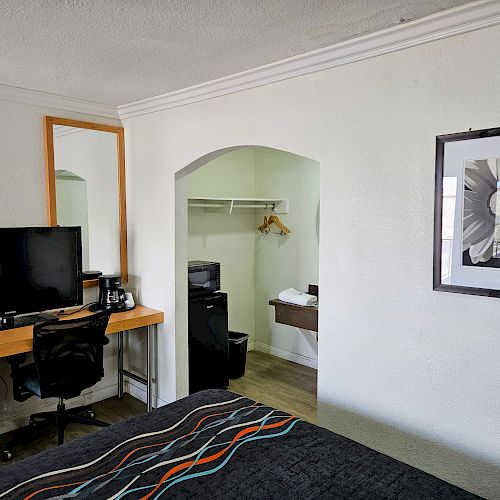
column 23, row 203
column 232, row 174
column 229, row 239
column 286, row 261
column 418, row 369
column 73, row 209
column 92, row 155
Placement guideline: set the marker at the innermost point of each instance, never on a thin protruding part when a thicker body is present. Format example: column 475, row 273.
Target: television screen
column 40, row 269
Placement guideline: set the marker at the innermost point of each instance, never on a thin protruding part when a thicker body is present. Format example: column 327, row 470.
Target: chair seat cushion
column 28, row 379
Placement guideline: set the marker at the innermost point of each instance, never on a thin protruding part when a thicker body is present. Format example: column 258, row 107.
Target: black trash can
column 237, row 354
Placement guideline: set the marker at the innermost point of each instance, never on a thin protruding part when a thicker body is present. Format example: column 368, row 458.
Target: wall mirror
column 86, row 187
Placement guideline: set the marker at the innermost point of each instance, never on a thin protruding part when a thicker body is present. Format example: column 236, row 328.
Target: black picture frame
column 441, row 140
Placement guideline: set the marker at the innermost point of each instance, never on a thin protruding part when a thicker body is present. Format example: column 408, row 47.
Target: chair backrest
column 68, row 354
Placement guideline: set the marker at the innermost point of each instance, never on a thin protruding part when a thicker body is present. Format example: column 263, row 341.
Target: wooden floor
column 110, row 410
column 273, row 381
column 282, row 384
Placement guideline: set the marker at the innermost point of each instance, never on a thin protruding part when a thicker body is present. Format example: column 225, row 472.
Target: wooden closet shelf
column 305, row 317
column 277, row 205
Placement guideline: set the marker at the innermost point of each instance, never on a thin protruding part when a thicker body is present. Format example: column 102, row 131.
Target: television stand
column 10, row 322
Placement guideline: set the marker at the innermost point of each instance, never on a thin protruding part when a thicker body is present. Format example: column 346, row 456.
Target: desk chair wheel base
column 62, row 417
column 7, row 455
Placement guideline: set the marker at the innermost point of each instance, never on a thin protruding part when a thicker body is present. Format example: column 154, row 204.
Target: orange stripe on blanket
column 131, row 453
column 52, row 488
column 168, row 442
column 215, row 456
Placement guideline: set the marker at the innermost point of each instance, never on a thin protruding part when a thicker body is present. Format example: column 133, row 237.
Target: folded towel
column 299, row 298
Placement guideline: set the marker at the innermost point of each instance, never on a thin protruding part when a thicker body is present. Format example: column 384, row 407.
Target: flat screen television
column 40, row 269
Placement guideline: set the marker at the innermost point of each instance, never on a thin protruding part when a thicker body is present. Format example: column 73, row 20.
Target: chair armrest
column 20, row 394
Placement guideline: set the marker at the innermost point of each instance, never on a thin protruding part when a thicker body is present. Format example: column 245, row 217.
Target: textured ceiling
column 119, row 51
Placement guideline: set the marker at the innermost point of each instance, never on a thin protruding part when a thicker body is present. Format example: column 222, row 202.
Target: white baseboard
column 18, row 420
column 290, row 356
column 250, row 345
column 139, row 392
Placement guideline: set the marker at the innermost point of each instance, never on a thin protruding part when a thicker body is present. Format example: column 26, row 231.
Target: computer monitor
column 40, row 269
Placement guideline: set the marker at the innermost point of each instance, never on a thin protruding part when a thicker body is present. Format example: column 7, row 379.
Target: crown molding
column 62, row 130
column 36, row 98
column 463, row 19
column 469, row 17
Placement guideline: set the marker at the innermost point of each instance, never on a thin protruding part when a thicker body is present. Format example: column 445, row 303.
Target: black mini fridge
column 208, row 342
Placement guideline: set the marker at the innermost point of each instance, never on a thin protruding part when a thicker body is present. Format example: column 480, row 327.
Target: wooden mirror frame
column 49, row 122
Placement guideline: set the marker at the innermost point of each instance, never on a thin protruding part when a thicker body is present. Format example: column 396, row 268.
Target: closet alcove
column 220, row 206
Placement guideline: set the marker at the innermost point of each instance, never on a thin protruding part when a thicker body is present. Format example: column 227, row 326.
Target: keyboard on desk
column 29, row 320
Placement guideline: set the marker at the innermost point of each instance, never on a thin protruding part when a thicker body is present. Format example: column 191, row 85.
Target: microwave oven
column 203, row 277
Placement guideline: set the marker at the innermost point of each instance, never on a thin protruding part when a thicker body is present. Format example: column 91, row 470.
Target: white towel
column 299, row 298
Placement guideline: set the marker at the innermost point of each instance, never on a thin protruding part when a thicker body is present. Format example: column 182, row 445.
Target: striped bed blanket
column 220, row 445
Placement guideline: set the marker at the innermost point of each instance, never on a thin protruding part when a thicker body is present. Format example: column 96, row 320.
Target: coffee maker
column 111, row 294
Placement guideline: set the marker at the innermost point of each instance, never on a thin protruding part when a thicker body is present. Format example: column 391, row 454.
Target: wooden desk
column 20, row 340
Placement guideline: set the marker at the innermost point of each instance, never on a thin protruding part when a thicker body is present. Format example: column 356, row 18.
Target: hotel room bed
column 221, row 445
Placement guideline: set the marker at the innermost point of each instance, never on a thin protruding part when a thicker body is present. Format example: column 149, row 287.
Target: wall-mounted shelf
column 298, row 316
column 278, row 206
column 293, row 315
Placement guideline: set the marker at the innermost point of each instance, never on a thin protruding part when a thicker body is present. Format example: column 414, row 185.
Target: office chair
column 68, row 358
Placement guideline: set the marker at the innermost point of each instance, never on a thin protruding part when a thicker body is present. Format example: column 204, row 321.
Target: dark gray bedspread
column 217, row 444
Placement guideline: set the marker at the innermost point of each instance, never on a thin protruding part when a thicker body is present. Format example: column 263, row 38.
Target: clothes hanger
column 265, row 227
column 275, row 219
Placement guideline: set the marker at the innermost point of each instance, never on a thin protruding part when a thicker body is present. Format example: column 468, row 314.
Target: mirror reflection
column 87, row 193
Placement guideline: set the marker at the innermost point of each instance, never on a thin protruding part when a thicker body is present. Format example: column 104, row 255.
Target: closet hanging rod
column 272, row 205
column 206, row 205
column 278, row 205
column 218, row 205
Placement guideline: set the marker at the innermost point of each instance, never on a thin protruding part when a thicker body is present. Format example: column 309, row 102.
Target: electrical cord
column 62, row 313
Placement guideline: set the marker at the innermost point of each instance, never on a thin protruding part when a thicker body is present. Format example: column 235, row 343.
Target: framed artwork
column 467, row 213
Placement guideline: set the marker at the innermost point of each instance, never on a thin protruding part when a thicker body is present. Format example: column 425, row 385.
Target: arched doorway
column 219, row 205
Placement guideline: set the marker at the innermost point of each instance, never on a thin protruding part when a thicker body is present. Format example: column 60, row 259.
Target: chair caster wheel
column 7, row 455
column 90, row 414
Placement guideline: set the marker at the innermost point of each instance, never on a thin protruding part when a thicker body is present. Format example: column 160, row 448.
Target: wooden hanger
column 273, row 219
column 264, row 226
